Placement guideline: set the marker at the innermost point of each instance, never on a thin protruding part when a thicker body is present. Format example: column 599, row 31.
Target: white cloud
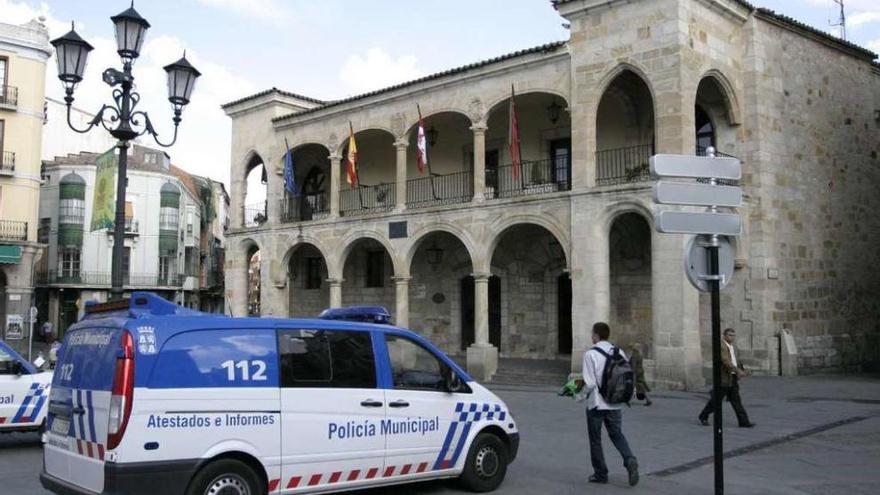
column 204, row 135
column 874, row 46
column 266, row 10
column 860, row 18
column 377, row 69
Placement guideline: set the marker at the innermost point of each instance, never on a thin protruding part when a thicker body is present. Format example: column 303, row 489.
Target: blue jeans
column 613, row 420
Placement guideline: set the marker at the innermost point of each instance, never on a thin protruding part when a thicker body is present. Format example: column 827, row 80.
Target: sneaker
column 632, row 468
column 596, row 479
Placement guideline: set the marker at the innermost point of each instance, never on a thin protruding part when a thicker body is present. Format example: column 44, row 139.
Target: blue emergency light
column 366, row 314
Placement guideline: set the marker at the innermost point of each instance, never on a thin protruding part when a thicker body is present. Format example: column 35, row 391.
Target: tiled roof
column 269, row 91
column 545, row 48
column 187, row 180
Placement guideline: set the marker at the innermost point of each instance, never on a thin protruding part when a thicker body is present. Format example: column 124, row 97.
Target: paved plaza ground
column 815, row 435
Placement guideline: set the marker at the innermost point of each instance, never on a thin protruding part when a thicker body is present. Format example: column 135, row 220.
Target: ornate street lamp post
column 121, row 119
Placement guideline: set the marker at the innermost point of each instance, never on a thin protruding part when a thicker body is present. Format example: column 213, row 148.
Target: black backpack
column 618, row 378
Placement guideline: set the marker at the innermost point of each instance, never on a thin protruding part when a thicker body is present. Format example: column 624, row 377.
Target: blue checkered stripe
column 466, row 414
column 33, row 402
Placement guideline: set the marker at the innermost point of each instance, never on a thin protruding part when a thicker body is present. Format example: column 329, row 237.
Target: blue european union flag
column 289, row 173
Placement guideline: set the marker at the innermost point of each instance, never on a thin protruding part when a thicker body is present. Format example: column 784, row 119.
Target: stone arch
column 305, row 269
column 625, row 66
column 349, row 242
column 727, row 91
column 630, row 266
column 420, row 235
column 501, row 226
column 432, row 113
column 498, row 100
column 374, row 128
column 301, row 241
column 253, row 289
column 615, row 210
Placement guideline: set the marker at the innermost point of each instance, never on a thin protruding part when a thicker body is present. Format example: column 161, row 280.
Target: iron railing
column 7, row 161
column 623, row 165
column 304, row 208
column 440, row 189
column 364, row 200
column 722, row 182
column 94, row 278
column 535, row 177
column 254, row 215
column 13, row 230
column 8, row 95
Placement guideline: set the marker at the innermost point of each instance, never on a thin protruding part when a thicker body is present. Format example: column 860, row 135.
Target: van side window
column 326, row 359
column 412, row 366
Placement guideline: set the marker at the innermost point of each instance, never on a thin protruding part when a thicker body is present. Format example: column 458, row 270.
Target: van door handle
column 79, row 410
column 371, row 403
column 398, row 403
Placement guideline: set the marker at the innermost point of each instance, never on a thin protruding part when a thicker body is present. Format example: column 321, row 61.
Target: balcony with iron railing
column 305, row 207
column 254, row 215
column 11, row 230
column 103, row 279
column 440, row 189
column 624, row 165
column 365, row 200
column 533, row 177
column 8, row 96
column 7, row 163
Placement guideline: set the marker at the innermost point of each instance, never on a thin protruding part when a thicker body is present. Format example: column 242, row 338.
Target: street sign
column 696, row 262
column 688, row 193
column 695, row 167
column 687, row 222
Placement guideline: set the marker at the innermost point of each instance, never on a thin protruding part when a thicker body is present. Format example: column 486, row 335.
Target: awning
column 10, row 254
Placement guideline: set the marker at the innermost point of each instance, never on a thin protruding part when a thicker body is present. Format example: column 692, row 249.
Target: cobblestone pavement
column 815, row 435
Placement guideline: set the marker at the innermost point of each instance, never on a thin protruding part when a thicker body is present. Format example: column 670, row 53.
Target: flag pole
column 288, row 195
column 514, row 120
column 427, row 162
column 357, row 175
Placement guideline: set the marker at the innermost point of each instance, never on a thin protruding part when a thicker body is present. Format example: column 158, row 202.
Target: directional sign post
column 710, row 227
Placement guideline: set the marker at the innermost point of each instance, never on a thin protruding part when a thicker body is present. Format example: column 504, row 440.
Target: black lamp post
column 121, row 119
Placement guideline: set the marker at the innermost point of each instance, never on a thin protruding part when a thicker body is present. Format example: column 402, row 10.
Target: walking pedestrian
column 636, row 360
column 731, row 371
column 599, row 411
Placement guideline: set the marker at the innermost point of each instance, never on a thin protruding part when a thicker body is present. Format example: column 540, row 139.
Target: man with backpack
column 609, row 380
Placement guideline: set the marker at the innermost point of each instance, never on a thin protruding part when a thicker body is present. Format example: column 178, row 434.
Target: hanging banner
column 104, row 204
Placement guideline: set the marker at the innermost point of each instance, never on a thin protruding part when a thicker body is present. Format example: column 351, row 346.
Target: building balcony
column 624, row 165
column 8, row 97
column 304, row 207
column 365, row 200
column 254, row 214
column 11, row 230
column 132, row 228
column 533, row 177
column 7, row 163
column 83, row 278
column 440, row 189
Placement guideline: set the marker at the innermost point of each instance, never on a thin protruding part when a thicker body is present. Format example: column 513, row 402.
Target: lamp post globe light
column 121, row 119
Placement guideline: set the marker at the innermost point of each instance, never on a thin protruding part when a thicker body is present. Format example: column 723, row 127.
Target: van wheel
column 225, row 477
column 486, row 464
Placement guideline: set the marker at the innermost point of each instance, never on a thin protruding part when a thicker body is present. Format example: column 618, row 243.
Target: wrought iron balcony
column 102, row 279
column 535, row 177
column 8, row 96
column 624, row 165
column 11, row 230
column 724, row 182
column 254, row 215
column 304, row 208
column 365, row 200
column 440, row 189
column 7, row 162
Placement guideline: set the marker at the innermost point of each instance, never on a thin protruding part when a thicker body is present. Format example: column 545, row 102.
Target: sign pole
column 714, row 284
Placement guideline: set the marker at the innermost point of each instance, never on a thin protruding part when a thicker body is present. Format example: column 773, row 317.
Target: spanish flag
column 351, row 159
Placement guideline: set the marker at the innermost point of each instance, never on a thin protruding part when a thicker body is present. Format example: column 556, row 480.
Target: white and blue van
column 24, row 389
column 149, row 397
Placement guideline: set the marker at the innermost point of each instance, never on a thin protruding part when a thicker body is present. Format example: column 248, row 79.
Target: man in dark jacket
column 731, row 371
column 636, row 360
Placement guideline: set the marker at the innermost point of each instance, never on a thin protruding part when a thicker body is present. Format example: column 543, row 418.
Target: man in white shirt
column 731, row 371
column 599, row 412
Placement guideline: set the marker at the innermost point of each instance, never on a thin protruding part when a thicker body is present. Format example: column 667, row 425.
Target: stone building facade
column 488, row 262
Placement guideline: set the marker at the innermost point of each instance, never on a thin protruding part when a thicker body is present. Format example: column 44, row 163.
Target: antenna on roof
column 841, row 21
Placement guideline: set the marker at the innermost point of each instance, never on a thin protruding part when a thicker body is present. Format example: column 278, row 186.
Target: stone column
column 236, row 215
column 274, row 193
column 479, row 161
column 335, row 170
column 482, row 357
column 335, row 292
column 675, row 307
column 401, row 307
column 235, row 276
column 590, row 276
column 400, row 194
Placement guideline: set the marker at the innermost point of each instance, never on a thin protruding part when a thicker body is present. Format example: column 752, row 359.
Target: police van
column 24, row 390
column 150, row 397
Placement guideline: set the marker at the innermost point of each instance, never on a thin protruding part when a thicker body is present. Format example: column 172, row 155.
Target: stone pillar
column 236, row 215
column 274, row 193
column 401, row 307
column 482, row 357
column 675, row 306
column 590, row 278
column 479, row 161
column 335, row 292
column 335, row 170
column 400, row 194
column 235, row 276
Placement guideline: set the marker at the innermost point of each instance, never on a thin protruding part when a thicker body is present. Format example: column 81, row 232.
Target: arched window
column 705, row 130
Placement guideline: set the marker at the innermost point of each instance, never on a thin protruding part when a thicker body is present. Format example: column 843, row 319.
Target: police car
column 24, row 390
column 150, row 397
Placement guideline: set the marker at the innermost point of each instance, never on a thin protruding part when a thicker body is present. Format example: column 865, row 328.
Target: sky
column 326, row 49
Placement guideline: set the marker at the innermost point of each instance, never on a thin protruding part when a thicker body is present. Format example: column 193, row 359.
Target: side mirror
column 17, row 368
column 451, row 381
